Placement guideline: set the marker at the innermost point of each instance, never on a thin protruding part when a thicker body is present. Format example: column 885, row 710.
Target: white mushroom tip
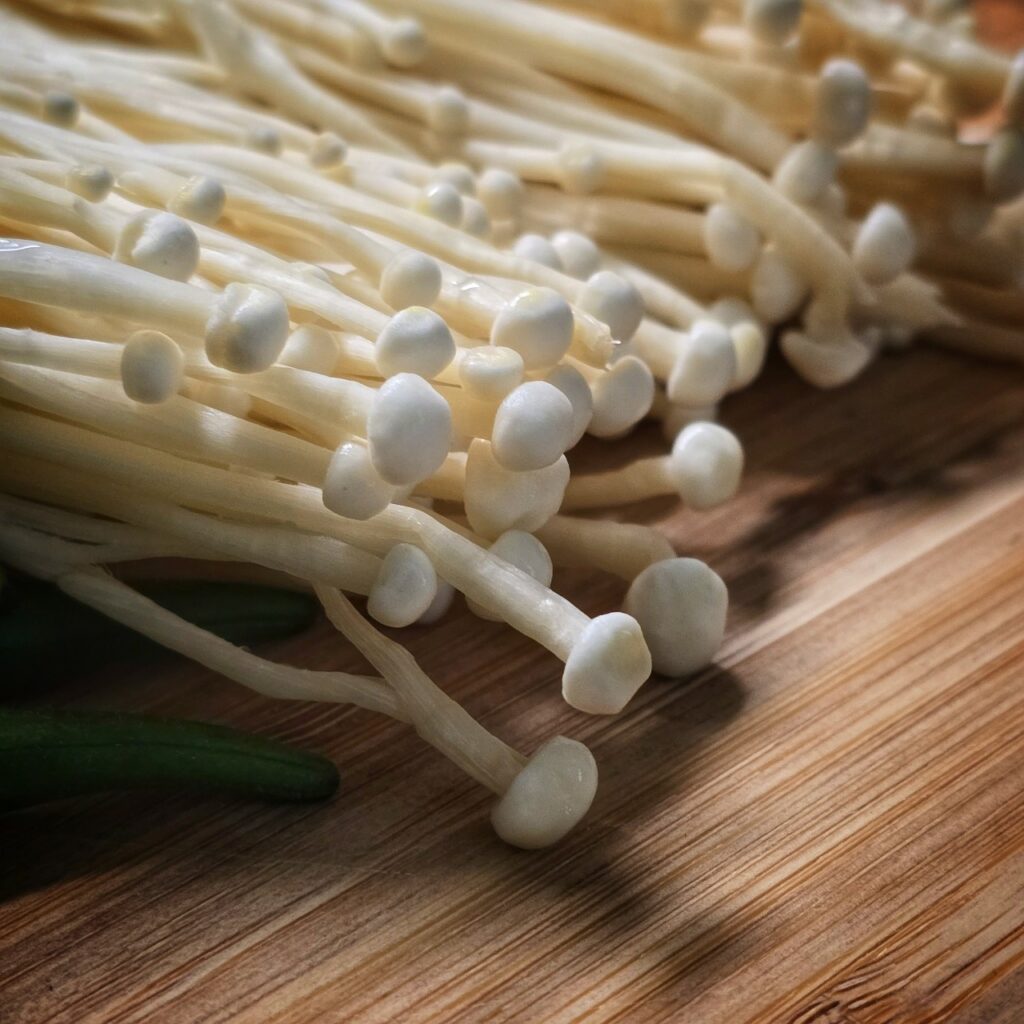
column 410, row 278
column 843, row 104
column 264, row 139
column 405, row 43
column 613, row 300
column 681, row 605
column 311, row 348
column 327, row 151
column 405, row 587
column 825, row 364
column 537, row 249
column 490, row 372
column 806, row 171
column 352, row 486
column 201, row 199
column 247, row 330
column 152, row 367
column 499, row 499
column 705, row 367
column 458, row 175
column 415, row 340
column 607, row 665
column 442, row 202
column 407, row 407
column 582, row 168
column 448, row 111
column 549, row 796
column 533, row 426
column 60, row 108
column 777, row 288
column 475, row 219
column 574, row 386
column 92, row 182
column 730, row 239
column 501, row 192
column 885, row 246
column 538, row 324
column 578, row 254
column 706, row 465
column 623, row 396
column 158, row 242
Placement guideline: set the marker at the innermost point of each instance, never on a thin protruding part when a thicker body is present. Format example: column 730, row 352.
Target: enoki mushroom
column 334, row 289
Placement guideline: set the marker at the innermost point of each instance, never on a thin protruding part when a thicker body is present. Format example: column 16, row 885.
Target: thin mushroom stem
column 606, row 660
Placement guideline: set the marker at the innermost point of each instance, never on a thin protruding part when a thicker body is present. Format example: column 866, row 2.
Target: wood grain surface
column 828, row 827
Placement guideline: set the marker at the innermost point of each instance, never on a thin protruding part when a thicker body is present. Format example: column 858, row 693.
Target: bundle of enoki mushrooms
column 280, row 275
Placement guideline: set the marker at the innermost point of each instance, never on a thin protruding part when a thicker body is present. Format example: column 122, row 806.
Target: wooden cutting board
column 828, row 827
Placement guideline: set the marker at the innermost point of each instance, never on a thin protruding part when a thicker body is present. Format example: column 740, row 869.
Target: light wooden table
column 827, row 828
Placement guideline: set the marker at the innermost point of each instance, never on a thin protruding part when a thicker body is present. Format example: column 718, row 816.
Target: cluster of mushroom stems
column 331, row 288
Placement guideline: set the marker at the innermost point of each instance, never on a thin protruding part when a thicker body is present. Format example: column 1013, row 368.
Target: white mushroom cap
column 1004, row 166
column 681, row 606
column 608, row 664
column 90, row 181
column 312, row 348
column 537, row 249
column 439, row 606
column 614, row 301
column 448, row 111
column 415, row 340
column 623, row 396
column 409, row 429
column 828, row 364
column 705, row 367
column 328, row 150
column 410, row 278
column 706, row 465
column 475, row 219
column 548, row 797
column 772, row 22
column 60, row 108
column 352, row 487
column 777, row 288
column 843, row 103
column 533, row 426
column 264, row 139
column 583, row 169
column 499, row 499
column 405, row 587
column 578, row 254
column 806, row 171
column 459, row 176
column 490, row 372
column 405, row 43
column 732, row 242
column 247, row 329
column 159, row 242
column 501, row 192
column 525, row 552
column 574, row 386
column 152, row 367
column 201, row 199
column 751, row 347
column 538, row 324
column 442, row 202
column 885, row 245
